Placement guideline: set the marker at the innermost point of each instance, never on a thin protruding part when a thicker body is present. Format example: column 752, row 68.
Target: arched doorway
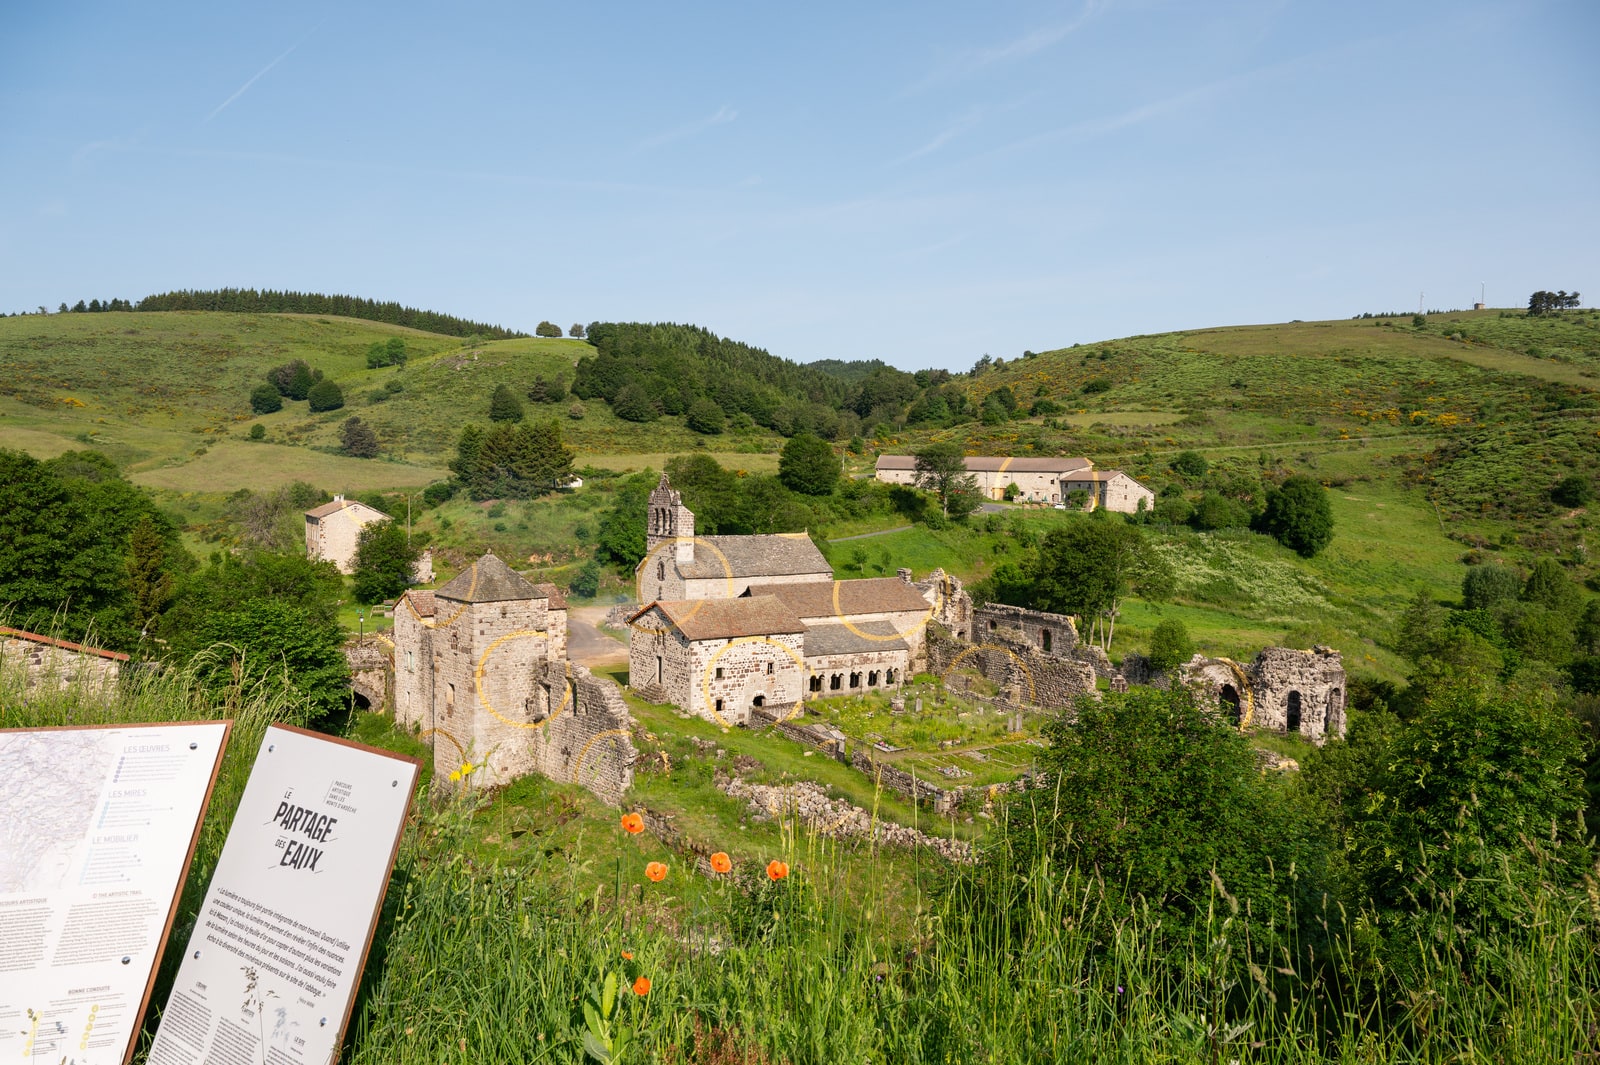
column 1230, row 701
column 760, row 700
column 1291, row 721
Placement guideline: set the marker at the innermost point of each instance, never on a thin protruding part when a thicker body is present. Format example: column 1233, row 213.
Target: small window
column 769, row 669
column 816, row 684
column 836, row 682
column 719, row 672
column 719, row 706
column 1044, row 639
column 872, row 679
column 991, row 625
column 658, row 669
column 661, row 570
column 855, row 680
column 888, row 676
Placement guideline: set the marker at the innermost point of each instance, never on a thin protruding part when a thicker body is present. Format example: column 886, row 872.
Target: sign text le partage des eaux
column 271, row 969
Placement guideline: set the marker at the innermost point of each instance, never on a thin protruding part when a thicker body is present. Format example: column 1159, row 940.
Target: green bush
column 325, row 396
column 264, row 399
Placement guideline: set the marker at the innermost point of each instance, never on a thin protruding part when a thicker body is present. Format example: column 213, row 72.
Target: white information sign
column 271, row 969
column 97, row 826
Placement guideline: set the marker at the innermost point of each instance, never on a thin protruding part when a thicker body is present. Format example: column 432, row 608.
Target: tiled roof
column 845, row 640
column 726, row 619
column 488, row 580
column 994, row 464
column 558, row 600
column 771, row 555
column 827, row 599
column 65, row 645
column 421, row 601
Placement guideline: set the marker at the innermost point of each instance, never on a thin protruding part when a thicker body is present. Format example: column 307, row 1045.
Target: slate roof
column 726, row 619
column 336, row 505
column 872, row 595
column 488, row 580
column 770, row 555
column 994, row 464
column 841, row 640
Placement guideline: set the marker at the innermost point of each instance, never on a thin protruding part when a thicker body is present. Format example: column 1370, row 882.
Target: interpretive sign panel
column 97, row 827
column 271, row 969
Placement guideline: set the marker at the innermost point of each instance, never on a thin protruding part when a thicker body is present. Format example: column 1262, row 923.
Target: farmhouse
column 1039, row 480
column 1111, row 489
column 333, row 529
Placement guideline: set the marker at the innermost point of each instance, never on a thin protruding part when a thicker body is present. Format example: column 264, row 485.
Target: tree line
column 1543, row 302
column 272, row 301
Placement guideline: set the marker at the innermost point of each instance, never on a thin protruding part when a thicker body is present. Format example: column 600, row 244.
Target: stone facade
column 1050, row 633
column 717, row 662
column 333, row 529
column 480, row 672
column 59, row 664
column 1281, row 690
column 371, row 671
column 1037, row 479
column 1111, row 489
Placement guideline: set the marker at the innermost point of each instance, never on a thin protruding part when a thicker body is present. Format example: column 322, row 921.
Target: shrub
column 1572, row 491
column 357, row 439
column 258, row 431
column 1190, row 464
column 324, row 396
column 633, row 404
column 504, row 406
column 264, row 399
column 1487, row 586
column 575, row 412
column 438, row 492
column 586, row 582
column 1096, row 385
column 1298, row 516
column 1170, row 645
column 293, row 379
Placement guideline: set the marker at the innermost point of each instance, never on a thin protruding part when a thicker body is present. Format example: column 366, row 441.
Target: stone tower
column 670, row 520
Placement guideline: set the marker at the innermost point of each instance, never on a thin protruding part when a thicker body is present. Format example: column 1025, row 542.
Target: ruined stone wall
column 59, row 664
column 952, row 606
column 913, row 787
column 485, row 656
column 1027, row 677
column 412, row 694
column 1280, row 690
column 371, row 669
column 828, row 740
column 1050, row 633
column 770, row 668
column 589, row 742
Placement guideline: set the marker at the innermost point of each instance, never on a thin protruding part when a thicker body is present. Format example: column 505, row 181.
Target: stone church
column 735, row 624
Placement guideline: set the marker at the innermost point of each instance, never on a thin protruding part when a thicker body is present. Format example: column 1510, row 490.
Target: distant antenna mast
column 1420, row 296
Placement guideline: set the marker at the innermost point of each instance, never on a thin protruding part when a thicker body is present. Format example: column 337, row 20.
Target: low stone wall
column 829, row 741
column 808, row 803
column 943, row 800
column 59, row 664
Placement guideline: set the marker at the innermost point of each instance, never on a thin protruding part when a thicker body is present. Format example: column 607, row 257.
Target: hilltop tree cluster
column 1543, row 302
column 268, row 301
column 96, row 306
column 296, row 380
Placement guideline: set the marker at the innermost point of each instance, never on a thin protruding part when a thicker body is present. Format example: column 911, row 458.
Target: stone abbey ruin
column 745, row 631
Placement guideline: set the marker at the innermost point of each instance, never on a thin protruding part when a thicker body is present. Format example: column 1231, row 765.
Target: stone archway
column 1229, row 695
column 1291, row 717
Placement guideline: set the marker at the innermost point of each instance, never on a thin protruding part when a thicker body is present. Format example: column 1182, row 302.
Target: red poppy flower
column 656, row 871
column 633, row 823
column 777, row 870
column 641, row 986
column 720, row 862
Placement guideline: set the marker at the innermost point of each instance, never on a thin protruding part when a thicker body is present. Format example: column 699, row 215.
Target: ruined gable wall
column 1316, row 676
column 1028, row 626
column 1026, row 676
column 588, row 740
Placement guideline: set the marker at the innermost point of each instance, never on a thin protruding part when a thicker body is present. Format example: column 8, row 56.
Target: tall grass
column 476, row 963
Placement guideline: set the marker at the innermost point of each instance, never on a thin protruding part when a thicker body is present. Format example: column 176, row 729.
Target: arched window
column 1292, row 718
column 872, row 679
column 836, row 682
column 661, row 569
column 760, row 700
column 888, row 676
column 816, row 683
column 855, row 680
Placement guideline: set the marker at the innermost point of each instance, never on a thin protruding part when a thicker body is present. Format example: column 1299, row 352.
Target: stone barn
column 1281, row 690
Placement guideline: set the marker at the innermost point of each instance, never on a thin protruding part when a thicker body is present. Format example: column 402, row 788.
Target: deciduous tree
column 808, row 465
column 942, row 470
column 384, row 562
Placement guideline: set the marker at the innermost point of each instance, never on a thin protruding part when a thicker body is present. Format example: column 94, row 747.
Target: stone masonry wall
column 59, row 664
column 1027, row 677
column 768, row 667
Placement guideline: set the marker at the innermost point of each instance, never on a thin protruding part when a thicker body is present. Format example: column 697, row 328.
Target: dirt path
column 586, row 644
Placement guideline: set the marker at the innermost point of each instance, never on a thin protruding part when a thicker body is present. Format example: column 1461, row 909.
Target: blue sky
column 918, row 182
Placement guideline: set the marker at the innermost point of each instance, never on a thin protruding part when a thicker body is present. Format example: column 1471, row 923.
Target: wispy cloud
column 724, row 115
column 945, row 136
column 259, row 75
column 1030, row 43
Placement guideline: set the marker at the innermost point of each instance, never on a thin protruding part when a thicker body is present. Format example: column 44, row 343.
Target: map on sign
column 97, row 826
column 271, row 969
